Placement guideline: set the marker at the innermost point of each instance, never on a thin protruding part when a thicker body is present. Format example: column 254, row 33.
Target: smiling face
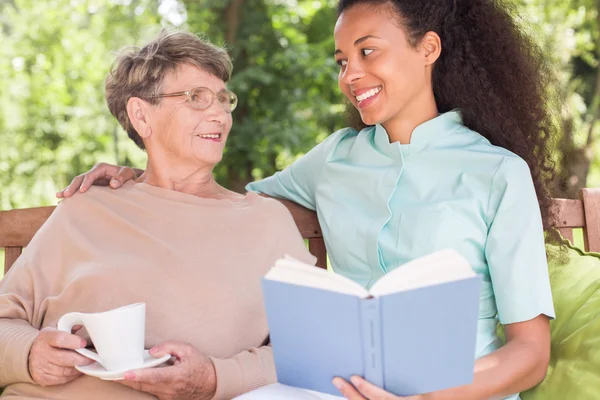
column 183, row 134
column 383, row 76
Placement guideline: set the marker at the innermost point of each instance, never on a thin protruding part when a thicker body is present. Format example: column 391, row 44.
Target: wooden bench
column 17, row 227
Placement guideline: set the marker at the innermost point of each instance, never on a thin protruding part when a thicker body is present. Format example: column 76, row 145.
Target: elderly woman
column 191, row 250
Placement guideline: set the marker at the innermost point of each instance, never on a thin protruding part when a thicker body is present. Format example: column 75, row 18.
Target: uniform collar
column 425, row 133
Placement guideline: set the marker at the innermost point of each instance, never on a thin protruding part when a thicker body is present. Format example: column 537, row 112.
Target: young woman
column 451, row 153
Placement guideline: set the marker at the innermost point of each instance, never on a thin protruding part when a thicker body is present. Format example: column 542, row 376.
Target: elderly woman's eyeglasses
column 202, row 98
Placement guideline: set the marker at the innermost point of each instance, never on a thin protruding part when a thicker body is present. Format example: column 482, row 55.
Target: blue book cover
column 409, row 342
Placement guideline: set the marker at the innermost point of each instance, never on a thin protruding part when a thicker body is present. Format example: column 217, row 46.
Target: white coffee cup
column 118, row 335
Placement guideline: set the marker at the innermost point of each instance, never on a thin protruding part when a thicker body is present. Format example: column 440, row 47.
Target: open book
column 413, row 332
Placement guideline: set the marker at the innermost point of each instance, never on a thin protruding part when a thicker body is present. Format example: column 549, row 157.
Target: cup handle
column 66, row 324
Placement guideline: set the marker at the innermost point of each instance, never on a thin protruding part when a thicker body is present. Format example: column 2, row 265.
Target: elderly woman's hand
column 191, row 377
column 52, row 359
column 101, row 174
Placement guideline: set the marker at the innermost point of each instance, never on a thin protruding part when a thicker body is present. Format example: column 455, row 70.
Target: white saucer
column 97, row 370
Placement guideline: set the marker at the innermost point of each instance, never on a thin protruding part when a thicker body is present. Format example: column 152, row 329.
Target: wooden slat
column 568, row 213
column 10, row 256
column 308, row 225
column 17, row 227
column 591, row 206
column 567, row 233
column 316, row 246
column 305, row 219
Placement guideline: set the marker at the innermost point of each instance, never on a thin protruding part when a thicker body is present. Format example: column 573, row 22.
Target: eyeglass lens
column 202, row 98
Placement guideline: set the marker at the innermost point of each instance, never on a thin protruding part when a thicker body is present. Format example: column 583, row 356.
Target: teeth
column 368, row 94
column 217, row 136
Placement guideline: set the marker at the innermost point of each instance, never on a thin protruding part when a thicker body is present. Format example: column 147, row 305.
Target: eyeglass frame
column 188, row 94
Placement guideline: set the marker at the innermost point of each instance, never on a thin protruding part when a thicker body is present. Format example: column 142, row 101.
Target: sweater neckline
column 173, row 195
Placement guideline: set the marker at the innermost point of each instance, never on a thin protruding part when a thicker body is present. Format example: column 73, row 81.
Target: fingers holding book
column 360, row 389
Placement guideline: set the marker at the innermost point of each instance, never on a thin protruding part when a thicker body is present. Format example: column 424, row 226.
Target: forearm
column 513, row 368
column 243, row 372
column 16, row 338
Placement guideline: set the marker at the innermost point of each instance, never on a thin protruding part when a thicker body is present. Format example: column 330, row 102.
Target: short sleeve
column 515, row 249
column 298, row 182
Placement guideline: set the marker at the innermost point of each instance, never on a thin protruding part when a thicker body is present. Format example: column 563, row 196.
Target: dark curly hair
column 492, row 71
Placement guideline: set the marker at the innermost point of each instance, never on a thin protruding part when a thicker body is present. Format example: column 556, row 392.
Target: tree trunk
column 237, row 181
column 237, row 178
column 576, row 164
column 576, row 161
column 232, row 20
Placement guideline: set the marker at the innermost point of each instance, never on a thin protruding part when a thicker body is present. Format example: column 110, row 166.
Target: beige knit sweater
column 196, row 262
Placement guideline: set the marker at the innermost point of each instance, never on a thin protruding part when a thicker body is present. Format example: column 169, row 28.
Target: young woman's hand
column 101, row 174
column 360, row 389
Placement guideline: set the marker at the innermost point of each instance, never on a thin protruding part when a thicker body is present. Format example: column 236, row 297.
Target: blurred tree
column 55, row 56
column 582, row 91
column 56, row 53
column 569, row 32
column 284, row 75
column 53, row 119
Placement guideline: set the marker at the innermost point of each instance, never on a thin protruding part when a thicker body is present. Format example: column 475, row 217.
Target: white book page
column 277, row 391
column 292, row 271
column 439, row 267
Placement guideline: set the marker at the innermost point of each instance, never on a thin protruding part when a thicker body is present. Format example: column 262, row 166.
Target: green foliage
column 578, row 240
column 284, row 74
column 569, row 33
column 53, row 120
column 55, row 54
